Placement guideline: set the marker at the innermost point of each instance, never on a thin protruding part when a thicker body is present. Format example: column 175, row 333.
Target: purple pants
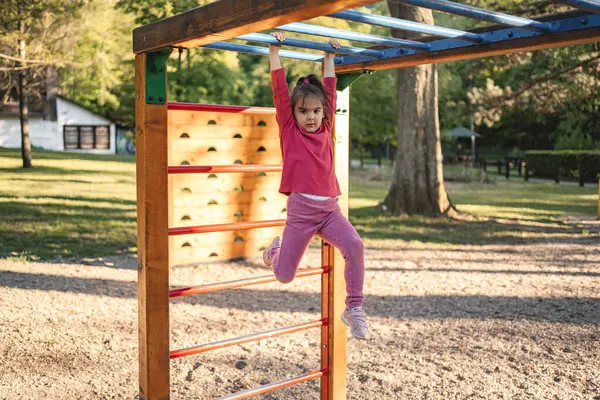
column 307, row 217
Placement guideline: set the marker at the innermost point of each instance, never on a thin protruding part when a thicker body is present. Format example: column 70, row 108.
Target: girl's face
column 308, row 112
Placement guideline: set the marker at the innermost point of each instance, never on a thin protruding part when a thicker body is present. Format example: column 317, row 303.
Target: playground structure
column 216, row 135
column 160, row 140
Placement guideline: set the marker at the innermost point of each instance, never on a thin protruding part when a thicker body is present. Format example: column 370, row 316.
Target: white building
column 74, row 128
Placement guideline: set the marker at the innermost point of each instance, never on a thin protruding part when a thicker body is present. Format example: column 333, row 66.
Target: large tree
column 418, row 182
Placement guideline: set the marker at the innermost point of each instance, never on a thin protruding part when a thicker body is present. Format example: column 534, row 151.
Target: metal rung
column 200, row 169
column 245, row 339
column 174, row 105
column 307, row 44
column 213, row 287
column 233, row 226
column 244, row 394
column 479, row 13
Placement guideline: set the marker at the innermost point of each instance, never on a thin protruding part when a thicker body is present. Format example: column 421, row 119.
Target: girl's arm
column 328, row 66
column 281, row 96
column 274, row 51
column 329, row 80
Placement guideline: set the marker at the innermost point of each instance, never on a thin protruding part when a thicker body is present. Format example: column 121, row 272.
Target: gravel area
column 448, row 322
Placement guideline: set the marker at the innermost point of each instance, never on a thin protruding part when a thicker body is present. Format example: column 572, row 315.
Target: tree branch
column 20, row 60
column 498, row 102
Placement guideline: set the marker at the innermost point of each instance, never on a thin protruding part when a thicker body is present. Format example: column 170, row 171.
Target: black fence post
column 581, row 177
column 520, row 165
column 557, row 176
column 484, row 165
column 526, row 170
column 507, row 162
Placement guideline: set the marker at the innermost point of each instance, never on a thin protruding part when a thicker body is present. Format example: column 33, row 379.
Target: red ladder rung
column 245, row 339
column 213, row 287
column 217, row 169
column 233, row 226
column 244, row 394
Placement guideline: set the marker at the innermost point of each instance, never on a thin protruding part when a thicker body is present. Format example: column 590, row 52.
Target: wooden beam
column 545, row 41
column 225, row 19
column 153, row 240
column 336, row 283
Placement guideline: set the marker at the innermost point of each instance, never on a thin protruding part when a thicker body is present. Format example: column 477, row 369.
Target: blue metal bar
column 589, row 5
column 479, row 13
column 263, row 38
column 574, row 25
column 264, row 51
column 359, row 37
column 406, row 25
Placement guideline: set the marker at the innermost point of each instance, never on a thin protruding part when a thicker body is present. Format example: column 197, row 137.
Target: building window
column 86, row 137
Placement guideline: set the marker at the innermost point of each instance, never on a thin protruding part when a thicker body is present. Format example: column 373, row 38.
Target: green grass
column 505, row 212
column 68, row 205
column 78, row 205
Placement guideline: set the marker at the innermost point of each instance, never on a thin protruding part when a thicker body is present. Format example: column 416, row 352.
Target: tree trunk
column 23, row 110
column 418, row 181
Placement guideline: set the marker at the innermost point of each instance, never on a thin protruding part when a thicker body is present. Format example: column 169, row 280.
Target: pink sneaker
column 356, row 319
column 275, row 244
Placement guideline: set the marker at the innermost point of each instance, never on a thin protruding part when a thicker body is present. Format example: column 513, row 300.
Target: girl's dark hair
column 310, row 86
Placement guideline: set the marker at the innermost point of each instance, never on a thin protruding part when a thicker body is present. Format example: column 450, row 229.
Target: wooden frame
column 153, row 240
column 225, row 19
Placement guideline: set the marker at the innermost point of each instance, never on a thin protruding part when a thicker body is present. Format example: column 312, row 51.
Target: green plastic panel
column 156, row 75
column 345, row 80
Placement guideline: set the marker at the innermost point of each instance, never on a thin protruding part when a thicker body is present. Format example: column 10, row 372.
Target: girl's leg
column 300, row 226
column 338, row 231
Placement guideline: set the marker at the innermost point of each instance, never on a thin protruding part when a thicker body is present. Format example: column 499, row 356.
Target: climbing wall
column 223, row 135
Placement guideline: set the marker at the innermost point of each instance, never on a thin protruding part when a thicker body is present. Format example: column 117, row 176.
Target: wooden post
column 153, row 244
column 336, row 370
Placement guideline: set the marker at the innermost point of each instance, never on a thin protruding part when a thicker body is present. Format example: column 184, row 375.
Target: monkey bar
column 206, row 27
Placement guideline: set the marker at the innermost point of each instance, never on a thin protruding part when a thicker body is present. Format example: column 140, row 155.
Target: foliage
column 48, row 29
column 541, row 100
column 532, row 99
column 570, row 163
column 103, row 62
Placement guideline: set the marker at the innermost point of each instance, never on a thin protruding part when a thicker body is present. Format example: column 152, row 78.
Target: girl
column 305, row 123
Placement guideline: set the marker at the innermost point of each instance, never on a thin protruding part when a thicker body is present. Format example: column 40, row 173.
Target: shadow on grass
column 371, row 224
column 63, row 155
column 62, row 172
column 44, row 231
column 76, row 198
column 555, row 309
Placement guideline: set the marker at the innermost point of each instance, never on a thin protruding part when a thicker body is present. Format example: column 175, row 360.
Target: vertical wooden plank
column 325, row 262
column 337, row 284
column 153, row 254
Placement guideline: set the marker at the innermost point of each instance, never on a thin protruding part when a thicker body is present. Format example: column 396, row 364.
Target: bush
column 578, row 164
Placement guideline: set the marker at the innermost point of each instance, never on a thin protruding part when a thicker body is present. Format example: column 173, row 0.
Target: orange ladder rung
column 244, row 394
column 213, row 287
column 245, row 339
column 202, row 169
column 233, row 226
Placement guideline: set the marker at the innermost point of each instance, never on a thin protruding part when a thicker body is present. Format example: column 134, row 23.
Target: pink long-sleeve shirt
column 308, row 165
